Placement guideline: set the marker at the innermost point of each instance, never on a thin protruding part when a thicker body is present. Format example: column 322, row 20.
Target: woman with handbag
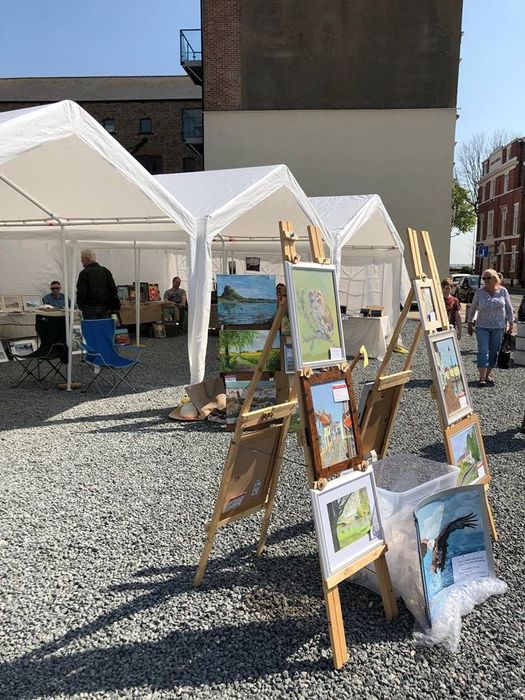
column 494, row 312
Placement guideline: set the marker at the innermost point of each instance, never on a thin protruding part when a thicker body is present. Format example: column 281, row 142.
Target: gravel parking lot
column 102, row 512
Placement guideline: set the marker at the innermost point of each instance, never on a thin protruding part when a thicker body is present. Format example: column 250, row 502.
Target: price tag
column 340, row 392
column 336, row 354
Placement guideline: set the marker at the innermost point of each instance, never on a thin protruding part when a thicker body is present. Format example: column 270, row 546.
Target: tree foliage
column 463, row 210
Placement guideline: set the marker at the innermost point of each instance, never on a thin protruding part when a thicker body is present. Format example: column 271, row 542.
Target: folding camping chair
column 47, row 359
column 100, row 353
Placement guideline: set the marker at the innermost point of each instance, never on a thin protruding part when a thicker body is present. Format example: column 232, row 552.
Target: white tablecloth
column 22, row 324
column 373, row 333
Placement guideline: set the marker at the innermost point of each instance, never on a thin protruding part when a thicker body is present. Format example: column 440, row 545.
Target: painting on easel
column 332, row 422
column 240, row 351
column 449, row 377
column 246, row 300
column 313, row 305
column 464, row 445
column 427, row 303
column 346, row 520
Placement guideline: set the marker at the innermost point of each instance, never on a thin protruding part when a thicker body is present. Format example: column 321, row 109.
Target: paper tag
column 234, row 502
column 336, row 354
column 469, row 566
column 256, row 487
column 462, row 401
column 340, row 392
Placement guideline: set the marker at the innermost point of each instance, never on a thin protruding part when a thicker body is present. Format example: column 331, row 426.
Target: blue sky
column 323, row 399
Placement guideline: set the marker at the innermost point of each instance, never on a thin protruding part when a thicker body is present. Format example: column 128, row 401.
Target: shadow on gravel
column 284, row 594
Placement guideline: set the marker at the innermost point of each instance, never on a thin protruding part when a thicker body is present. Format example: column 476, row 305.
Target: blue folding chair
column 100, row 353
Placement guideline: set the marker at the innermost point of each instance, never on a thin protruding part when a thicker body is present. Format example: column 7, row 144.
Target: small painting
column 144, row 292
column 331, row 417
column 427, row 303
column 464, row 445
column 246, row 300
column 313, row 305
column 31, row 302
column 347, row 521
column 236, row 387
column 449, row 377
column 3, row 354
column 77, row 339
column 453, row 541
column 23, row 347
column 153, row 292
column 288, row 358
column 240, row 351
column 11, row 302
column 123, row 293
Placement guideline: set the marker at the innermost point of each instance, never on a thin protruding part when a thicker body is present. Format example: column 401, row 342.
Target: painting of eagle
column 439, row 546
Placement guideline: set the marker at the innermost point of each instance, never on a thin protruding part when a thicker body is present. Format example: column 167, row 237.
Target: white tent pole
column 71, row 316
column 136, row 261
column 66, row 302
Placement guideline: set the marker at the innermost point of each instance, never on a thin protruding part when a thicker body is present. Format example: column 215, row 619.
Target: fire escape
column 191, row 61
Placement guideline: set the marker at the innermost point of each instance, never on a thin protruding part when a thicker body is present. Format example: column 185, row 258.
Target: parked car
column 466, row 288
column 456, row 278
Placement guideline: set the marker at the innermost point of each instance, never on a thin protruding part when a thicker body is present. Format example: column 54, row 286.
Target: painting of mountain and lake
column 246, row 300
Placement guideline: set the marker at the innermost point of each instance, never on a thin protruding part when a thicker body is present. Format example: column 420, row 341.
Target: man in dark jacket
column 96, row 288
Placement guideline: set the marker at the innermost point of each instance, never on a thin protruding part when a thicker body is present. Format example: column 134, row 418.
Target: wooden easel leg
column 385, row 588
column 492, row 523
column 335, row 625
column 203, row 562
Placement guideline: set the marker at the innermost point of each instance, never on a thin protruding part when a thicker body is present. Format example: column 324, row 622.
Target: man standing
column 55, row 298
column 96, row 289
column 178, row 295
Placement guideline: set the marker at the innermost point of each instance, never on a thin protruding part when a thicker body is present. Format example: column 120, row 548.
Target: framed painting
column 454, row 543
column 451, row 387
column 77, row 339
column 236, row 386
column 427, row 302
column 144, row 292
column 22, row 347
column 288, row 358
column 246, row 301
column 240, row 351
column 11, row 302
column 313, row 306
column 31, row 302
column 465, row 449
column 3, row 354
column 123, row 293
column 347, row 521
column 331, row 421
column 153, row 292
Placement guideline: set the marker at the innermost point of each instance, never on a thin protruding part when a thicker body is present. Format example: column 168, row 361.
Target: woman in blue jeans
column 492, row 303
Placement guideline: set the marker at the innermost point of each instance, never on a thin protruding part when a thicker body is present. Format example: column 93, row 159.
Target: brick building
column 158, row 119
column 349, row 95
column 501, row 202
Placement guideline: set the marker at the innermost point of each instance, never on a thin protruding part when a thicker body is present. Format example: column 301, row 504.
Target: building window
column 490, row 223
column 146, row 126
column 188, row 164
column 513, row 259
column 109, row 125
column 481, row 226
column 153, row 164
column 515, row 219
column 503, row 214
column 507, row 182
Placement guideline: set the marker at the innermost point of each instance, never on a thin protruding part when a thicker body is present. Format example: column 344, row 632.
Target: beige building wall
column 405, row 156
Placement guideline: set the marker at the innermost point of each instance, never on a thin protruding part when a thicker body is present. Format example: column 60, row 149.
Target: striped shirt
column 493, row 309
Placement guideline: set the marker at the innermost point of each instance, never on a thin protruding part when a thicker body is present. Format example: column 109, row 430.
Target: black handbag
column 504, row 352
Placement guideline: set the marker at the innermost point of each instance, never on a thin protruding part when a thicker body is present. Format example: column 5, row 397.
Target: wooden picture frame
column 11, row 303
column 465, row 449
column 450, row 384
column 343, row 542
column 331, row 422
column 428, row 304
column 315, row 318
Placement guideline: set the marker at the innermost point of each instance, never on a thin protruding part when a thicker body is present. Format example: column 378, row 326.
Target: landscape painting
column 246, row 300
column 313, row 305
column 334, row 426
column 453, row 540
column 448, row 373
column 236, row 387
column 11, row 302
column 465, row 450
column 241, row 351
column 350, row 518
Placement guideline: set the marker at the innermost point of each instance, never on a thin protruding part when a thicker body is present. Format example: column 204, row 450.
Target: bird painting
column 439, row 545
column 318, row 315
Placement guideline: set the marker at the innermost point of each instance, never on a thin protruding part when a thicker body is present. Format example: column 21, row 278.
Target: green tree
column 463, row 210
column 235, row 339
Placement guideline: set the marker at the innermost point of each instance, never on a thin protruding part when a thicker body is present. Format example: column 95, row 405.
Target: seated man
column 178, row 296
column 55, row 298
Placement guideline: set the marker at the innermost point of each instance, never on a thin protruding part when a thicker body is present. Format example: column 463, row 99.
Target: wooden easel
column 377, row 555
column 420, row 275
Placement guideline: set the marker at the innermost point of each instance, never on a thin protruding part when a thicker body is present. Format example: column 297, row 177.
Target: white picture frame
column 315, row 315
column 288, row 358
column 11, row 303
column 428, row 304
column 352, row 496
column 77, row 339
column 3, row 354
column 448, row 374
column 22, row 346
column 31, row 302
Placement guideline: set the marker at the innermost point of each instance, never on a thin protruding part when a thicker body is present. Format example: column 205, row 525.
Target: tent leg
column 69, row 327
column 136, row 257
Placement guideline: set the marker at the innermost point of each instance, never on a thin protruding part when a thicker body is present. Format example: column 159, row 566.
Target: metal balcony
column 192, row 129
column 191, row 53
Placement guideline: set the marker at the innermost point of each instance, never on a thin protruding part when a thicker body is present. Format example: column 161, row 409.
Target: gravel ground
column 102, row 512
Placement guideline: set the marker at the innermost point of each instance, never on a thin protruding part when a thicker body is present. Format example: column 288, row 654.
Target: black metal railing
column 191, row 125
column 190, row 46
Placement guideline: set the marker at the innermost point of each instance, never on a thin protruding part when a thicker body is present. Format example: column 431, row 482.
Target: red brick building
column 158, row 119
column 501, row 202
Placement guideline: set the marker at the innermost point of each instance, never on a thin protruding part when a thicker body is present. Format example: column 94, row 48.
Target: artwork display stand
column 419, row 275
column 377, row 555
